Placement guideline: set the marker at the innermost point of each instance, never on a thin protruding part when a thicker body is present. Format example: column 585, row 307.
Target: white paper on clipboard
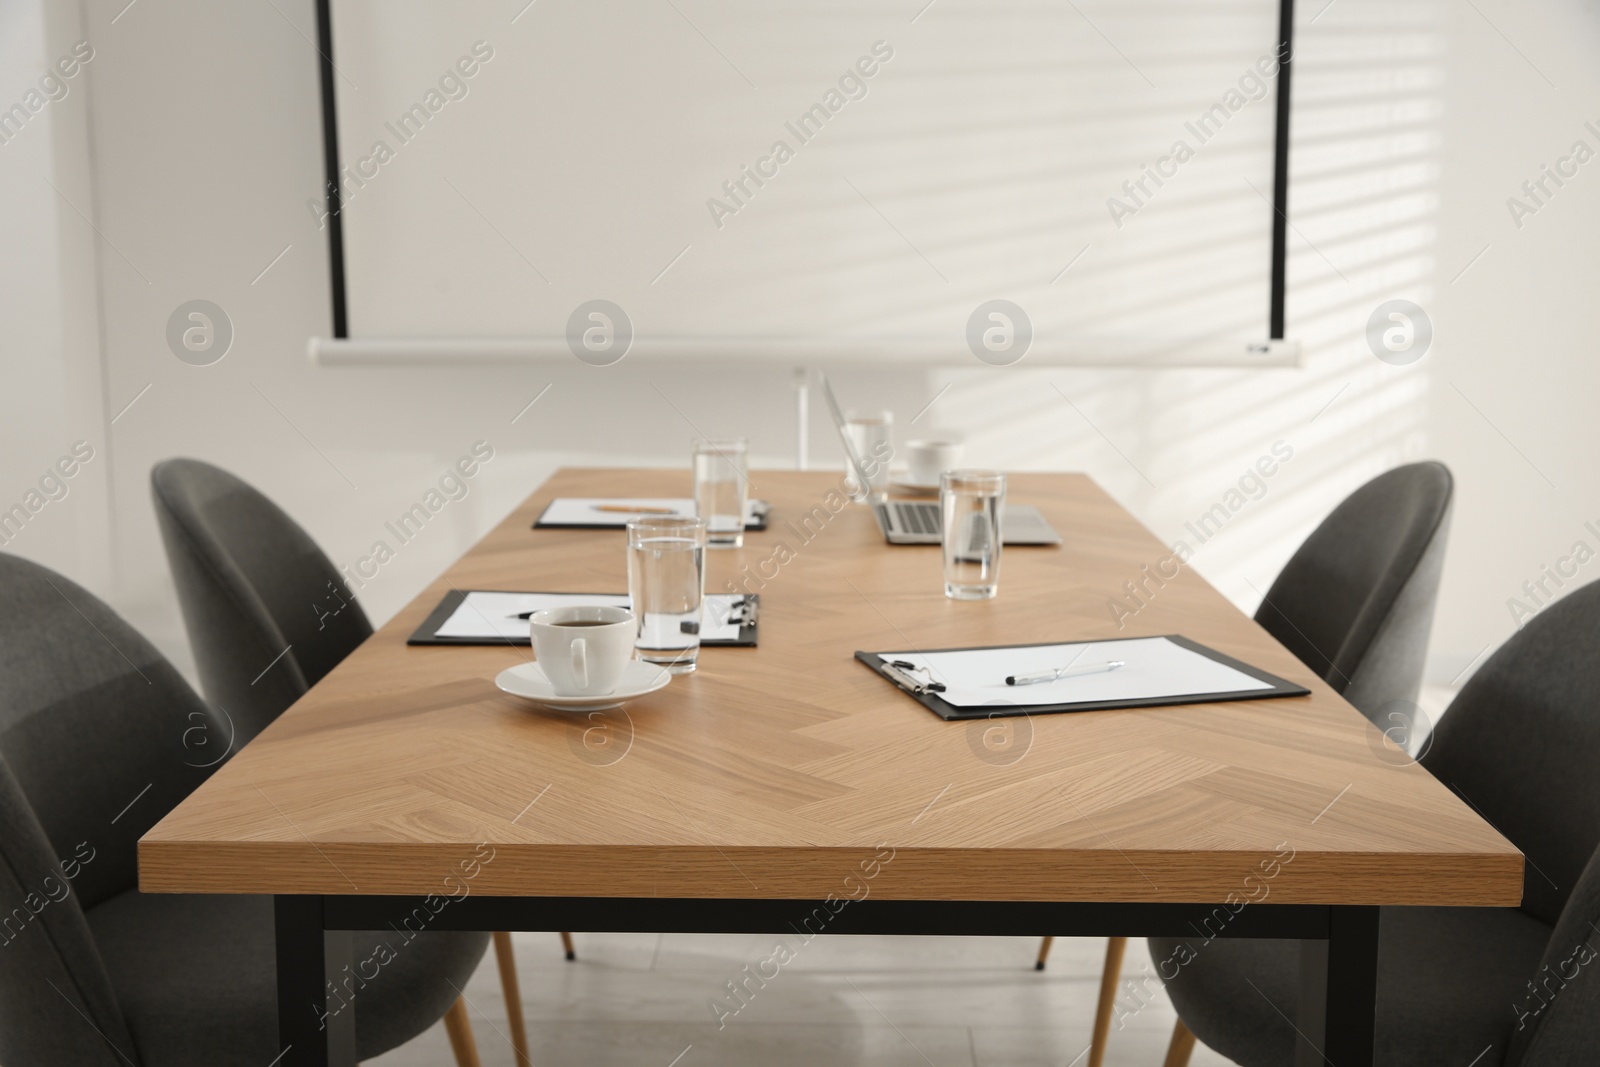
column 1154, row 668
column 493, row 616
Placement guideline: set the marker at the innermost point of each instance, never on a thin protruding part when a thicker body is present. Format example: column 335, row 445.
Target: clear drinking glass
column 720, row 487
column 872, row 433
column 667, row 583
column 972, row 503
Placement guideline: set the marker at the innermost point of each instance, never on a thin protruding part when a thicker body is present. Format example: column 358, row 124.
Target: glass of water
column 972, row 503
column 872, row 434
column 720, row 487
column 667, row 583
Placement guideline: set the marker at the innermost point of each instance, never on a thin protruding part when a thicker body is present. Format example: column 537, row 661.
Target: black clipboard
column 926, row 692
column 746, row 610
column 759, row 511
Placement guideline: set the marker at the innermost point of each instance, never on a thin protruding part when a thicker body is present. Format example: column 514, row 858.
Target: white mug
column 928, row 458
column 582, row 649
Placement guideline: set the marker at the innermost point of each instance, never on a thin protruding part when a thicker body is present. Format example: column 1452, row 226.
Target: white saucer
column 526, row 680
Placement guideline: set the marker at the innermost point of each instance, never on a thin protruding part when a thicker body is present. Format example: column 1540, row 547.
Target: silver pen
column 1063, row 672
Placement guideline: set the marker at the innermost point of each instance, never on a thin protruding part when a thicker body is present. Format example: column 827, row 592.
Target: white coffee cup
column 582, row 649
column 928, row 458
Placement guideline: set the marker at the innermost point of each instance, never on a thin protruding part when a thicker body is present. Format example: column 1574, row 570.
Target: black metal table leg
column 1352, row 997
column 1311, row 1010
column 1339, row 973
column 314, row 1028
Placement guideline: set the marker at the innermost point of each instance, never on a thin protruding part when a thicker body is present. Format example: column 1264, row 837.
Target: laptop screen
column 844, row 432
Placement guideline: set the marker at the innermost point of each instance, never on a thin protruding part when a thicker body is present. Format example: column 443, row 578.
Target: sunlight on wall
column 1170, row 444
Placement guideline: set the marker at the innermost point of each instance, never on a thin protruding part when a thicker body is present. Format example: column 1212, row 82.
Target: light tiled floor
column 644, row 999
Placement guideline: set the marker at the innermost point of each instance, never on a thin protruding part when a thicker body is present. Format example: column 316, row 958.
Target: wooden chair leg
column 1109, row 977
column 459, row 1027
column 1182, row 1046
column 566, row 943
column 513, row 992
column 1044, row 953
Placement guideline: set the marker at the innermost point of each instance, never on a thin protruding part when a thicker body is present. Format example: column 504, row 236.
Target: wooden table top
column 792, row 771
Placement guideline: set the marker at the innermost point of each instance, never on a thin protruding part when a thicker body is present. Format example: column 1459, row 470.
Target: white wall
column 1414, row 121
column 1523, row 322
column 51, row 398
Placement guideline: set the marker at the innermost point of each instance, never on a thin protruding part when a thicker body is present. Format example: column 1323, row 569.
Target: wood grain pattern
column 779, row 771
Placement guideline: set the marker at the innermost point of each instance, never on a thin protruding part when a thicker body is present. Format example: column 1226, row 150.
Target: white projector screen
column 800, row 169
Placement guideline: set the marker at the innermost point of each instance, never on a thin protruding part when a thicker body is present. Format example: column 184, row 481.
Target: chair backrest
column 99, row 738
column 1520, row 744
column 1355, row 602
column 267, row 612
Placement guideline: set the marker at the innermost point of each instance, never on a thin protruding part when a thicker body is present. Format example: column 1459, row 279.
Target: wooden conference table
column 747, row 796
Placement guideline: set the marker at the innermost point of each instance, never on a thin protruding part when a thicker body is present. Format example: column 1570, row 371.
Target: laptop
column 919, row 522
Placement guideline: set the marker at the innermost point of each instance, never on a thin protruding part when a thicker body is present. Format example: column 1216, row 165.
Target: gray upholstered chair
column 1517, row 987
column 267, row 612
column 268, row 615
column 1355, row 604
column 99, row 738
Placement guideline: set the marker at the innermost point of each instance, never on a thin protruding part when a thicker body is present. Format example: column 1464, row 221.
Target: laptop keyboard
column 917, row 518
column 924, row 518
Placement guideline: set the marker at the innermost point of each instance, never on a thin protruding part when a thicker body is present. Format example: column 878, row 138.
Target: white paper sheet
column 487, row 616
column 580, row 510
column 1154, row 668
